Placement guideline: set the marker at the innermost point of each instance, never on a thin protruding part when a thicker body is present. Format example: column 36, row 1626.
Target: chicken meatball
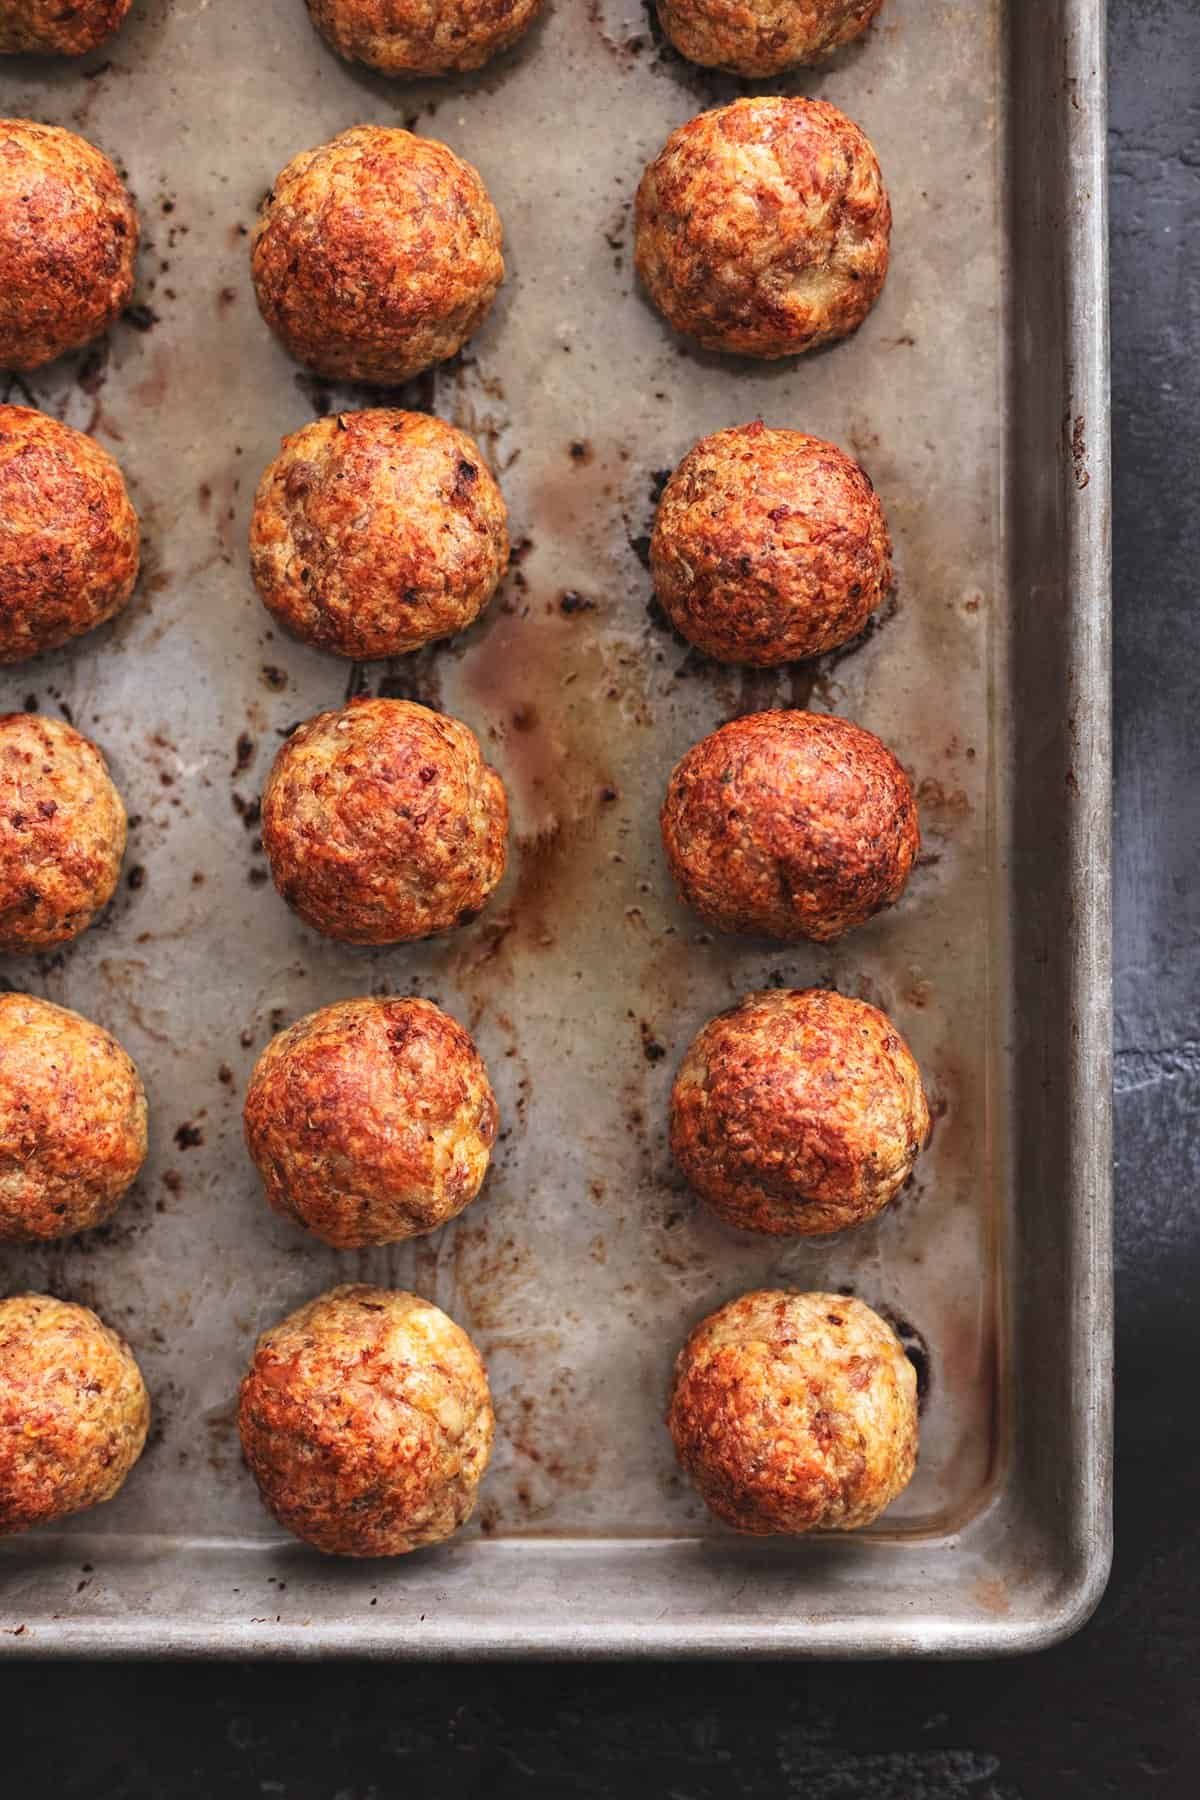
column 798, row 1113
column 74, row 1411
column 371, row 1121
column 376, row 532
column 69, row 540
column 763, row 37
column 68, row 239
column 410, row 37
column 376, row 255
column 789, row 825
column 62, row 833
column 383, row 823
column 72, row 1121
column 762, row 227
column 769, row 546
column 795, row 1412
column 58, row 27
column 367, row 1422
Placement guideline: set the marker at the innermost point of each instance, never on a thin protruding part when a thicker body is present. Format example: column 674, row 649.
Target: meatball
column 762, row 227
column 769, row 546
column 376, row 532
column 367, row 1422
column 383, row 823
column 408, row 37
column 72, row 1121
column 74, row 1411
column 798, row 1113
column 68, row 238
column 62, row 833
column 58, row 27
column 376, row 255
column 763, row 37
column 795, row 1412
column 69, row 540
column 790, row 825
column 371, row 1121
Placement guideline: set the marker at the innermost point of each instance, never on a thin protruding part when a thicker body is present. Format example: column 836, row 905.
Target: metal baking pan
column 976, row 396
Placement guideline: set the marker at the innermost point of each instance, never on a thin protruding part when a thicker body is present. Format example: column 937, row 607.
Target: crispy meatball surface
column 798, row 1113
column 58, row 27
column 376, row 532
column 62, row 833
column 763, row 37
column 367, row 1423
column 382, row 822
column 415, row 37
column 69, row 540
column 74, row 1411
column 769, row 546
column 72, row 1121
column 795, row 1412
column 762, row 228
column 371, row 1121
column 376, row 255
column 789, row 825
column 68, row 239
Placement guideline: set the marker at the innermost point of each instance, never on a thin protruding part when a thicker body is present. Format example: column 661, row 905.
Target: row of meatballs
column 367, row 1423
column 762, row 229
column 403, row 37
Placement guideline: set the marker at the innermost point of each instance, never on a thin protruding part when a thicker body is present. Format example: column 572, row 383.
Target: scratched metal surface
column 584, row 1262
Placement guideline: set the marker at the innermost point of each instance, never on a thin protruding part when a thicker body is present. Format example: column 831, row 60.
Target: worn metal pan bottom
column 976, row 396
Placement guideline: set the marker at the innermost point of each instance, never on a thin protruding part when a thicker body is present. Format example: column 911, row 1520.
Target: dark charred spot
column 571, row 602
column 243, row 753
column 273, row 678
column 142, row 318
column 136, row 877
column 188, row 1137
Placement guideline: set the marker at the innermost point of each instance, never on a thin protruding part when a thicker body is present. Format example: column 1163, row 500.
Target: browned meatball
column 72, row 1121
column 376, row 255
column 763, row 37
column 376, row 532
column 795, row 1412
column 762, row 227
column 68, row 238
column 790, row 825
column 367, row 1423
column 382, row 822
column 58, row 27
column 419, row 37
column 69, row 540
column 74, row 1411
column 769, row 546
column 371, row 1121
column 62, row 833
column 798, row 1113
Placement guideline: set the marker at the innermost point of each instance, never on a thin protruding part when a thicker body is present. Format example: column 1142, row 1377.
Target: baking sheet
column 585, row 1262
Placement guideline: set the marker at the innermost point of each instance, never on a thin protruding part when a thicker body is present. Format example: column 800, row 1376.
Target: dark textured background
column 1115, row 1712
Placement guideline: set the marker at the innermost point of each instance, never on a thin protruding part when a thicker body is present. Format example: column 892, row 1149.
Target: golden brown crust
column 69, row 540
column 74, row 1411
column 68, row 239
column 769, row 546
column 762, row 227
column 789, row 825
column 58, row 27
column 371, row 1121
column 62, row 833
column 376, row 255
column 795, row 1412
column 383, row 823
column 72, row 1121
column 798, row 1112
column 366, row 1421
column 422, row 37
column 763, row 37
column 376, row 532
